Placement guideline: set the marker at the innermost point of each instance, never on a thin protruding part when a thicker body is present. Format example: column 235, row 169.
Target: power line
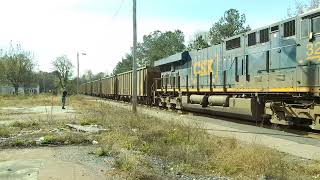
column 118, row 10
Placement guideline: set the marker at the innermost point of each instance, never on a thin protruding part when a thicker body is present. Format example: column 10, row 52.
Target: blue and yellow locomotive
column 271, row 73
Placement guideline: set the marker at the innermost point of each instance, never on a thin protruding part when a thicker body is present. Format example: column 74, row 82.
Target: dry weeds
column 134, row 140
column 187, row 149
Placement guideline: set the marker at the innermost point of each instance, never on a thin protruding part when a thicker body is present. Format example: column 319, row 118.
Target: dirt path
column 69, row 162
column 282, row 141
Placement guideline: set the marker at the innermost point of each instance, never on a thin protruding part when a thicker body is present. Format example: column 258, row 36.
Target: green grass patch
column 26, row 124
column 17, row 143
column 84, row 122
column 67, row 138
column 4, row 132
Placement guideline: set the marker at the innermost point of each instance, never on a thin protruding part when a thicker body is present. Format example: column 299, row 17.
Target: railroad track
column 299, row 131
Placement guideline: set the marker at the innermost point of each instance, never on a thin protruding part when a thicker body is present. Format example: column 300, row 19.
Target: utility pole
column 44, row 82
column 134, row 65
column 78, row 73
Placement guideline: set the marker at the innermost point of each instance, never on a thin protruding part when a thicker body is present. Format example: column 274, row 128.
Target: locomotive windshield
column 316, row 25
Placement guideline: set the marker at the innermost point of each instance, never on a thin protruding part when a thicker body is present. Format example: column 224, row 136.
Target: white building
column 9, row 90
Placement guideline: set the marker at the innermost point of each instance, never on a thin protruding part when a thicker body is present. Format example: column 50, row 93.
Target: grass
column 135, row 140
column 18, row 143
column 100, row 152
column 187, row 149
column 26, row 124
column 84, row 122
column 67, row 138
column 27, row 101
column 4, row 132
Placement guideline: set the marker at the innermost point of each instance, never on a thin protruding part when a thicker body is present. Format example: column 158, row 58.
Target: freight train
column 268, row 74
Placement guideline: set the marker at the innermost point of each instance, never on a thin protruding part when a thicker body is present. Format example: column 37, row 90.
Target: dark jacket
column 64, row 94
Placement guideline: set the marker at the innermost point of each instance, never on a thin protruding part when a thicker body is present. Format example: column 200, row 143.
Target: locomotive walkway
column 294, row 144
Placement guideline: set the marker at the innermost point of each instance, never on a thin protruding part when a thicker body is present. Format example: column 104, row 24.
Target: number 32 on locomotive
column 313, row 51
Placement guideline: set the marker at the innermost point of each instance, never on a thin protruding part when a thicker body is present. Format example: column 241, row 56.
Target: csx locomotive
column 268, row 74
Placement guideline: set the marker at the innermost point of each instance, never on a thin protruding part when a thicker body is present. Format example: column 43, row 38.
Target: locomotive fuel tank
column 219, row 100
column 196, row 99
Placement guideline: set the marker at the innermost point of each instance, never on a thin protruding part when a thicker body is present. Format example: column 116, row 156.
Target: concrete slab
column 86, row 128
column 20, row 169
column 60, row 163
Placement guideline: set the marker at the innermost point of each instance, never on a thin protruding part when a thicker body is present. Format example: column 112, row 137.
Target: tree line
column 18, row 69
column 157, row 44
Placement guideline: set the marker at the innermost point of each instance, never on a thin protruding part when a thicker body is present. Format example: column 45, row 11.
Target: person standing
column 63, row 99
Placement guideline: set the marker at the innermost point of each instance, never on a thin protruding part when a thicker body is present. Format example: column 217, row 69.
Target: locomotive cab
column 308, row 51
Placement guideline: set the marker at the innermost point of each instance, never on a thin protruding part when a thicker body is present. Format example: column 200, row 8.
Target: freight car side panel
column 107, row 86
column 96, row 87
column 90, row 88
column 125, row 83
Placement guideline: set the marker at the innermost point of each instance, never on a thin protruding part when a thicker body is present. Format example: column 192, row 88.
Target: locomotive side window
column 274, row 28
column 305, row 28
column 264, row 35
column 233, row 43
column 252, row 39
column 289, row 28
column 316, row 25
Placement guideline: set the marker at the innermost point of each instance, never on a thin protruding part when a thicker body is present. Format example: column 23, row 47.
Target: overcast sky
column 103, row 28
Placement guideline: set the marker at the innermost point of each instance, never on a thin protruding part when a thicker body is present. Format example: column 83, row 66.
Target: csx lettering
column 202, row 68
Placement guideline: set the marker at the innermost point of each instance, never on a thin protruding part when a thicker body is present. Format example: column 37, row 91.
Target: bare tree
column 63, row 69
column 17, row 66
column 87, row 76
column 314, row 4
column 301, row 7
